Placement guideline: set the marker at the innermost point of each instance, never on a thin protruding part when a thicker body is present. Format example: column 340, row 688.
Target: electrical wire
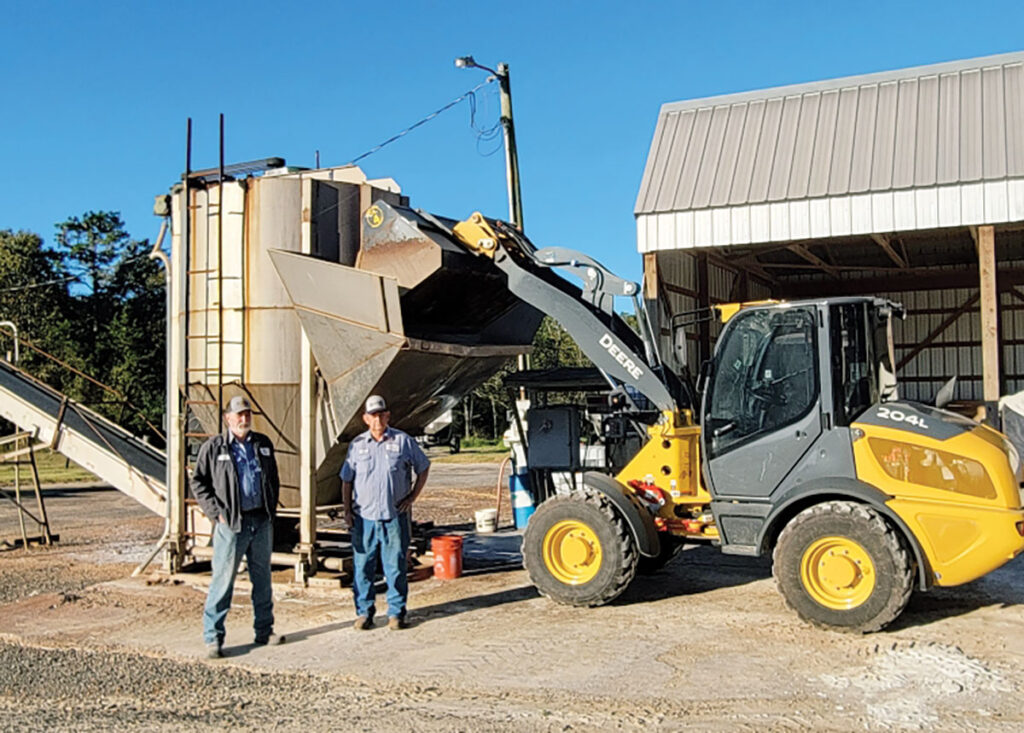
column 39, row 285
column 471, row 94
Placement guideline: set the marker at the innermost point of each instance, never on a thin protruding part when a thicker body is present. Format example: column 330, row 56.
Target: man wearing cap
column 378, row 491
column 236, row 484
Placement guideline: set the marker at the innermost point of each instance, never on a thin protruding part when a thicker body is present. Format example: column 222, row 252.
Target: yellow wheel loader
column 799, row 448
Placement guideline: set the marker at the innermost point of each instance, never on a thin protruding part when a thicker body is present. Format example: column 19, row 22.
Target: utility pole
column 515, row 197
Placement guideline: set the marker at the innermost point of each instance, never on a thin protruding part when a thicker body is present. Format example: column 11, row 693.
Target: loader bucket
column 427, row 325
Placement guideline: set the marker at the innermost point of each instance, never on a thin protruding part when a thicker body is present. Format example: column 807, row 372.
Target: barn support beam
column 990, row 345
column 704, row 304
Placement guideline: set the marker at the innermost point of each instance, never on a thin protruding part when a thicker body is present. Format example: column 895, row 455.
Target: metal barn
column 906, row 184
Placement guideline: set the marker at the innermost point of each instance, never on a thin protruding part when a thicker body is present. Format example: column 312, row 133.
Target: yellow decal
column 374, row 217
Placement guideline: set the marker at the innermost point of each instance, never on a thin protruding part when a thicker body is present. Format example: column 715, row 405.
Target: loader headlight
column 936, row 469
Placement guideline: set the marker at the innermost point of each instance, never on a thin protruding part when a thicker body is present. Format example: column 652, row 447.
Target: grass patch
column 53, row 469
column 482, row 454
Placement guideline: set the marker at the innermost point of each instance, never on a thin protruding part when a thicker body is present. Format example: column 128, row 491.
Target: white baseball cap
column 375, row 403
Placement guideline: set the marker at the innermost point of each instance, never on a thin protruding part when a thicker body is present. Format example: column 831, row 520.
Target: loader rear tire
column 840, row 565
column 578, row 550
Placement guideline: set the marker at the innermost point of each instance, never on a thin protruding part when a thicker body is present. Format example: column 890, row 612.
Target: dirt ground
column 704, row 644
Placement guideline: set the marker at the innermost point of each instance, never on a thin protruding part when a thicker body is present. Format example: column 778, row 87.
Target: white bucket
column 486, row 520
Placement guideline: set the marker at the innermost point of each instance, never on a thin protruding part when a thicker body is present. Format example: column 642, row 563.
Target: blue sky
column 95, row 95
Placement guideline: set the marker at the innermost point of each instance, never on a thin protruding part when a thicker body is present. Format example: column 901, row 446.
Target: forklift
column 793, row 444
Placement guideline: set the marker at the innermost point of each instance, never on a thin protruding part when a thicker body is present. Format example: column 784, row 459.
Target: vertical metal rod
column 39, row 497
column 220, row 271
column 17, row 495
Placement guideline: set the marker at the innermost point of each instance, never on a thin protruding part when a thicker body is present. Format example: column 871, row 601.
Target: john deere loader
column 799, row 448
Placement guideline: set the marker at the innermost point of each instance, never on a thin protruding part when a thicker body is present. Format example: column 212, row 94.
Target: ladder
column 214, row 301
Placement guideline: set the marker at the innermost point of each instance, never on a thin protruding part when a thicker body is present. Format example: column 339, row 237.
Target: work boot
column 363, row 623
column 270, row 639
column 396, row 623
column 214, row 650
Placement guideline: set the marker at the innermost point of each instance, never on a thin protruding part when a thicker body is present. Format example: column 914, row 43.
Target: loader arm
column 587, row 314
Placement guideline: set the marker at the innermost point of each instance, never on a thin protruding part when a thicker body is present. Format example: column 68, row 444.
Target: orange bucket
column 447, row 551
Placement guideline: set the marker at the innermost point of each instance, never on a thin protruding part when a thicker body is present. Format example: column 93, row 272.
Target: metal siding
column 784, row 149
column 970, row 126
column 730, row 154
column 906, row 127
column 839, row 176
column 800, row 173
column 885, row 137
column 709, row 161
column 948, row 153
column 665, row 195
column 993, row 112
column 824, row 136
column 1013, row 82
column 765, row 152
column 926, row 150
column 657, row 159
column 739, row 192
column 691, row 162
column 925, row 127
column 863, row 139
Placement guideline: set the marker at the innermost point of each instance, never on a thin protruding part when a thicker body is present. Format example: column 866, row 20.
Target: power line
column 39, row 285
column 471, row 93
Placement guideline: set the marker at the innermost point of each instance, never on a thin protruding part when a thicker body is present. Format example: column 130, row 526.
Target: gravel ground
column 704, row 644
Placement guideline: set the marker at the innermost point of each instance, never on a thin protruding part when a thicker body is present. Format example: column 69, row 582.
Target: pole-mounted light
column 515, row 201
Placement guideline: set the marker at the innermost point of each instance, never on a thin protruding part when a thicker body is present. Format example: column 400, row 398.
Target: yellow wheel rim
column 572, row 552
column 837, row 573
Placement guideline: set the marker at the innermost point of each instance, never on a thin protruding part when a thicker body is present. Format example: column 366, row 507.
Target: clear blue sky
column 95, row 95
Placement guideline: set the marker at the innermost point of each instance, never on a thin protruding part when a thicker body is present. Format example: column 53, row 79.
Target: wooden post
column 652, row 298
column 990, row 345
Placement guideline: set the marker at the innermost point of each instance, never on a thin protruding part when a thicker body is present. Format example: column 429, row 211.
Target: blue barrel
column 522, row 499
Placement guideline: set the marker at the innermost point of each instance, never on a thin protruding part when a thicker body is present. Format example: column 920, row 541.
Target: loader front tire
column 578, row 550
column 840, row 565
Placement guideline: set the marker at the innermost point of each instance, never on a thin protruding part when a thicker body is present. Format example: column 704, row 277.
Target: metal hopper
column 418, row 319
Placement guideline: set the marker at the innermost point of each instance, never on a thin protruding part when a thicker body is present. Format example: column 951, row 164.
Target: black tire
column 618, row 553
column 670, row 547
column 864, row 532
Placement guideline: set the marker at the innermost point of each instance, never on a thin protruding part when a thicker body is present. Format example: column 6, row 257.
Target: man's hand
column 221, row 519
column 349, row 518
column 406, row 504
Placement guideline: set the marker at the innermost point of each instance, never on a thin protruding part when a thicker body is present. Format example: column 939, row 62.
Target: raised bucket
column 447, row 551
column 486, row 521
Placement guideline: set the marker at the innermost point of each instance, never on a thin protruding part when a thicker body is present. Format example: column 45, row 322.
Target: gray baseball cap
column 236, row 405
column 375, row 403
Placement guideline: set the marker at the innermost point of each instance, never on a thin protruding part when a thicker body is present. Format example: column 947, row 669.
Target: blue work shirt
column 247, row 467
column 380, row 472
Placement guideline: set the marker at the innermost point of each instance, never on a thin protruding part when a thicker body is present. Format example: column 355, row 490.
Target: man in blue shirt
column 378, row 491
column 236, row 484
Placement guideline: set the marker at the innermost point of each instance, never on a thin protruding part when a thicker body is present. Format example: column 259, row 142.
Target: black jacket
column 215, row 481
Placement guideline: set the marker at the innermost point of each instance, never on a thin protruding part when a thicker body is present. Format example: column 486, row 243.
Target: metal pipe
column 157, row 253
column 10, row 324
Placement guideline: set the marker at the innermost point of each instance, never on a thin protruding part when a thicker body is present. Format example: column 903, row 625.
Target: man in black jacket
column 236, row 484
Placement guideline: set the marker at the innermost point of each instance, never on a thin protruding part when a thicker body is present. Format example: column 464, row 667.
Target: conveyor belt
column 90, row 440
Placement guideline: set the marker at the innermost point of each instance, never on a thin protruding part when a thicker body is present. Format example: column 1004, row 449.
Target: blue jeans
column 391, row 538
column 255, row 542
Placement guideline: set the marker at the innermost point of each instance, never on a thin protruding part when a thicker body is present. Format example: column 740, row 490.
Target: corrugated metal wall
column 954, row 352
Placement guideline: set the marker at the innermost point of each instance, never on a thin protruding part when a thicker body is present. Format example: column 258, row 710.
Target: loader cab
column 786, row 377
